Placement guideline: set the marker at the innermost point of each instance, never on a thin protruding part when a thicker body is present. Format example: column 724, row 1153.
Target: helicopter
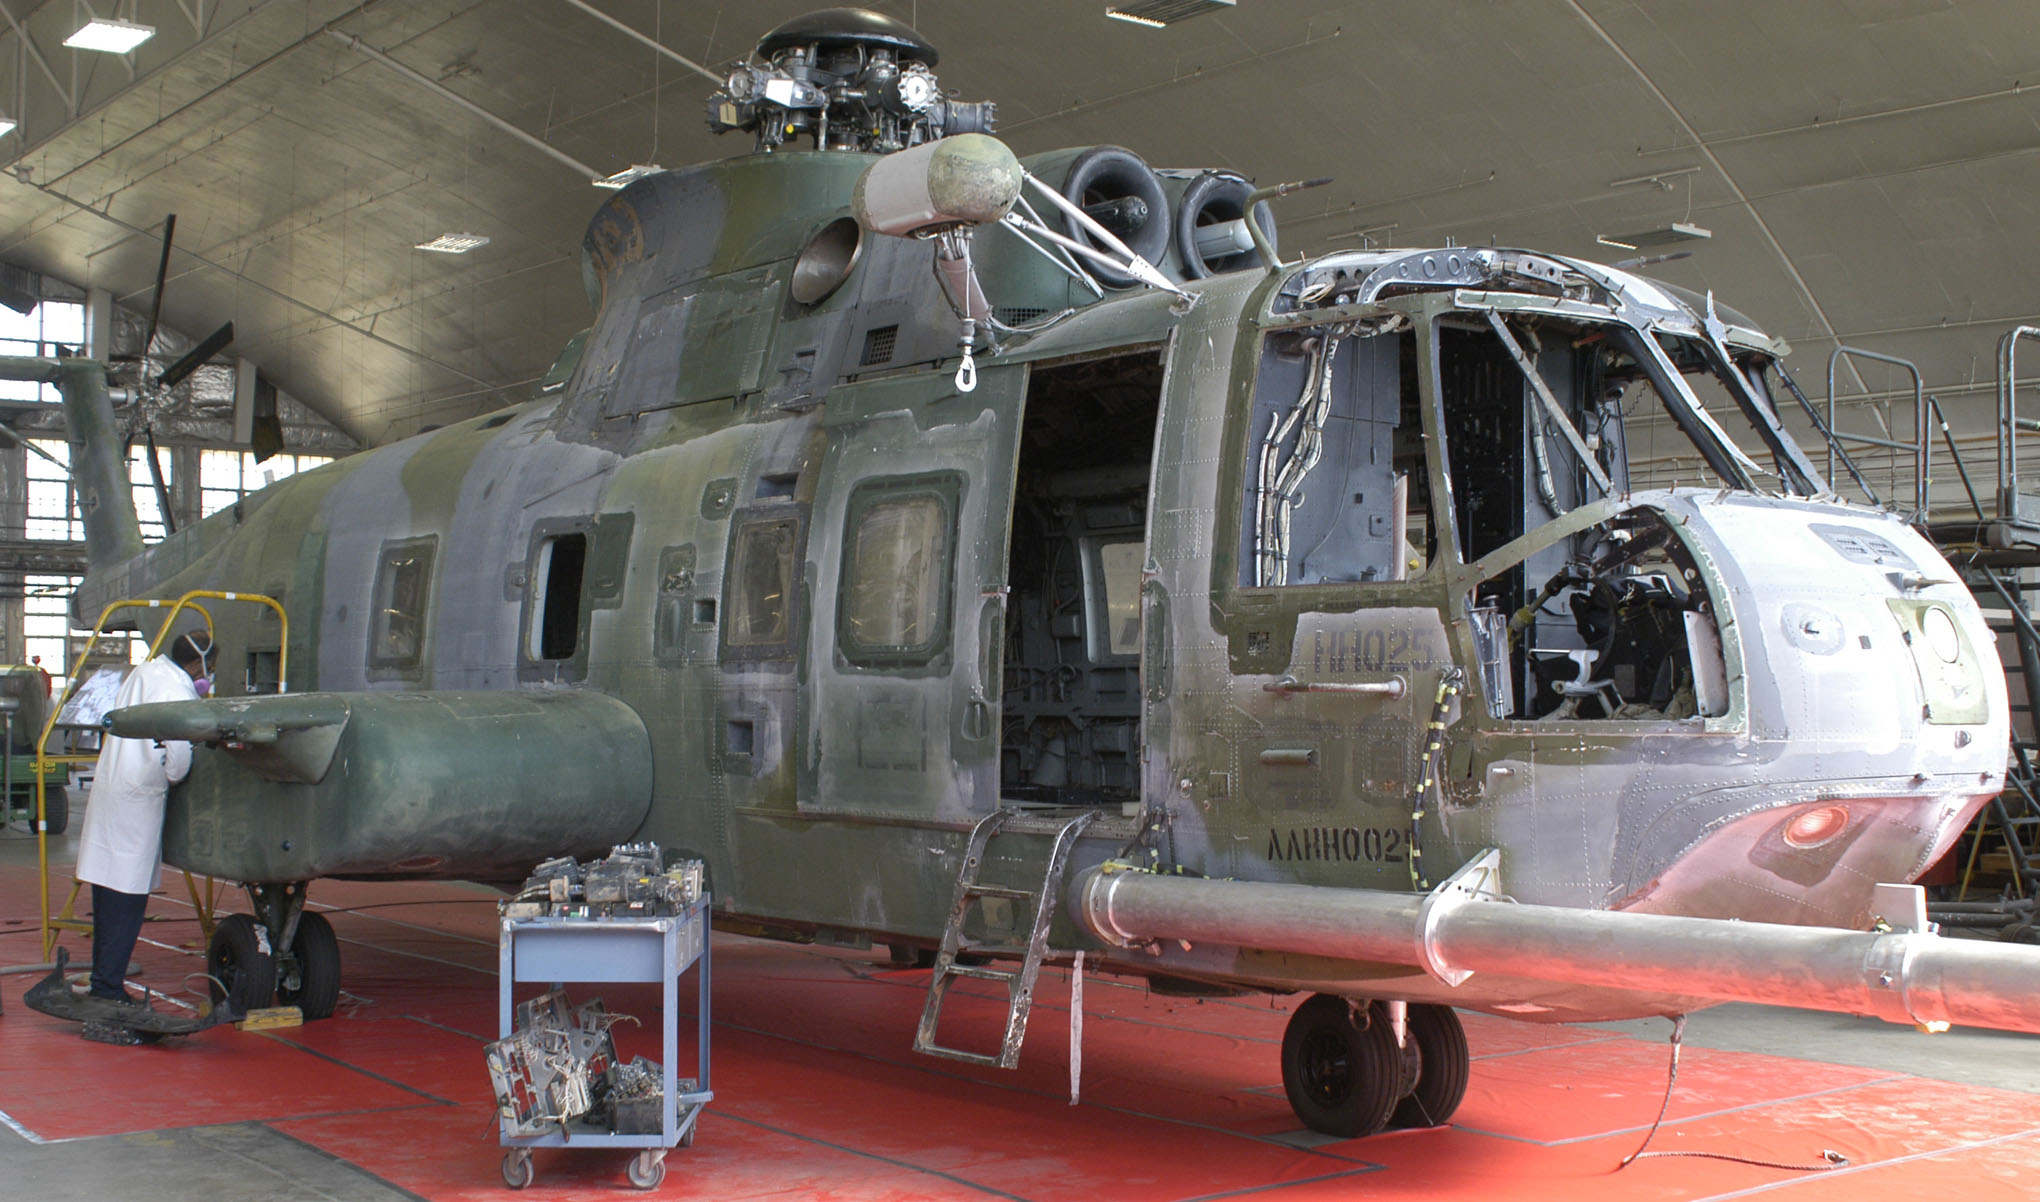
column 1017, row 561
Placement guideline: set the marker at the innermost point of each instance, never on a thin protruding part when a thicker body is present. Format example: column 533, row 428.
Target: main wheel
column 1343, row 1076
column 1442, row 1067
column 646, row 1170
column 311, row 979
column 517, row 1169
column 239, row 962
column 56, row 809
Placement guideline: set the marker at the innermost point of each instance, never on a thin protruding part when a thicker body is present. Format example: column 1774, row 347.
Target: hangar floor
column 818, row 1096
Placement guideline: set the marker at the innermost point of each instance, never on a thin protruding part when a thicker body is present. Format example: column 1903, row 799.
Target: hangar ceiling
column 1869, row 169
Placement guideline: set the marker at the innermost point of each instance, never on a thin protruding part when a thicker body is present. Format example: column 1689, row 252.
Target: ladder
column 1019, row 982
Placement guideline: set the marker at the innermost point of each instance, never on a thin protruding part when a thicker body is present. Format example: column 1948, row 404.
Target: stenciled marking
column 1340, row 844
column 1376, row 650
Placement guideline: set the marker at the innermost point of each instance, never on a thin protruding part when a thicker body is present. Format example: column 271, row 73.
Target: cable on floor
column 1830, row 1159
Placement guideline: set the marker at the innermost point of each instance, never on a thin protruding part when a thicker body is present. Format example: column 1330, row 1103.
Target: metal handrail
column 1919, row 446
column 2008, row 421
column 189, row 600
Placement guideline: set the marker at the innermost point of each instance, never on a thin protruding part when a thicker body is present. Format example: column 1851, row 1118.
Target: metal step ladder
column 1019, row 982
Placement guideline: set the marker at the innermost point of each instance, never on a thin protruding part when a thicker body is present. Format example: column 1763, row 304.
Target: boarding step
column 1019, row 981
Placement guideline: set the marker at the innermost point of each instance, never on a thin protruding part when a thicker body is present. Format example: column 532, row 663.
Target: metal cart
column 559, row 950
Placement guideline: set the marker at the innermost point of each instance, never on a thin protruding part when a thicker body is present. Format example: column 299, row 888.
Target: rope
column 1434, row 738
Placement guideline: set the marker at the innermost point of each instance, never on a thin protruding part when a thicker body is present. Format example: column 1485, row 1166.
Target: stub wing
column 474, row 785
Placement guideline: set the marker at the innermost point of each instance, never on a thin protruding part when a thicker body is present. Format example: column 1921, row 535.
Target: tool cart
column 556, row 1074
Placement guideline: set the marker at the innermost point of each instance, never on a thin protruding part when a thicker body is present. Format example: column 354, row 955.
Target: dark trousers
column 116, row 924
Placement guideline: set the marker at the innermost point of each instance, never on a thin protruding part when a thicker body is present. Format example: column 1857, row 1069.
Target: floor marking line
column 24, row 1132
column 722, row 1113
column 269, row 1125
column 933, row 1071
column 1830, row 1174
column 369, row 1073
column 1686, row 1118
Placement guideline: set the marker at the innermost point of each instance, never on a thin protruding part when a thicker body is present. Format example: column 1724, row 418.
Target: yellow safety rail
column 204, row 903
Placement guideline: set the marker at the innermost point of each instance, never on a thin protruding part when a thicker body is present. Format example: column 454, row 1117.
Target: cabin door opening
column 1070, row 681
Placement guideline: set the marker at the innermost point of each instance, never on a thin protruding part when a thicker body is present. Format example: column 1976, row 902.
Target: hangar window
column 556, row 624
column 897, row 562
column 402, row 580
column 765, row 550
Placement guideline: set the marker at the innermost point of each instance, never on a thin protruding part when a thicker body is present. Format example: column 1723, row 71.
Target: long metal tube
column 1902, row 977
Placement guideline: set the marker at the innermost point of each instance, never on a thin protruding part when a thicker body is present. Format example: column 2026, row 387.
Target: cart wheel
column 647, row 1169
column 517, row 1170
column 687, row 1137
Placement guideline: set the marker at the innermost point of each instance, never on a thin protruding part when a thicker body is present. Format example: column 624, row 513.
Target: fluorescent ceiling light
column 454, row 244
column 1158, row 13
column 110, row 35
column 630, row 174
column 1663, row 235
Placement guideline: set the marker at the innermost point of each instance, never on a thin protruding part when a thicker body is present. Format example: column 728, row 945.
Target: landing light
column 110, row 35
column 1816, row 826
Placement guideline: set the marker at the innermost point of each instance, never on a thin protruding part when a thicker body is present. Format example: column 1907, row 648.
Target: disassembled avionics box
column 558, row 1070
column 633, row 881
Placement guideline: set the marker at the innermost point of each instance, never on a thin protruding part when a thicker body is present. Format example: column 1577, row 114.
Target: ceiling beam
column 455, row 98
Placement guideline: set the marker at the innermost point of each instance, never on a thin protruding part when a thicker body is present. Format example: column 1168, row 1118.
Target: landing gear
column 239, row 962
column 1341, row 1067
column 1437, row 1045
column 1346, row 1074
column 280, row 952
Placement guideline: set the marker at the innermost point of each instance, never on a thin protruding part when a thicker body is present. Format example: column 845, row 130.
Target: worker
column 122, row 839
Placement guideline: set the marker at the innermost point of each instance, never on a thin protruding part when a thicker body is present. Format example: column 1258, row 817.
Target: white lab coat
column 121, row 843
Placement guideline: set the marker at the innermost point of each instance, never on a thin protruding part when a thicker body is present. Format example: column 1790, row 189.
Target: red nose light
column 1816, row 826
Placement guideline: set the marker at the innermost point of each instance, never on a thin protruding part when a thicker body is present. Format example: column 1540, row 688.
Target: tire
column 312, row 981
column 56, row 807
column 238, row 960
column 1343, row 1078
column 1442, row 1067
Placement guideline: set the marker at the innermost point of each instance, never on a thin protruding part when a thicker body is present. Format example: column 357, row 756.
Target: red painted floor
column 818, row 1096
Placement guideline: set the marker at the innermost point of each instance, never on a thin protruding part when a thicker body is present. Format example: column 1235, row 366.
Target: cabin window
column 556, row 625
column 1115, row 598
column 397, row 634
column 897, row 564
column 764, row 557
column 1336, row 483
